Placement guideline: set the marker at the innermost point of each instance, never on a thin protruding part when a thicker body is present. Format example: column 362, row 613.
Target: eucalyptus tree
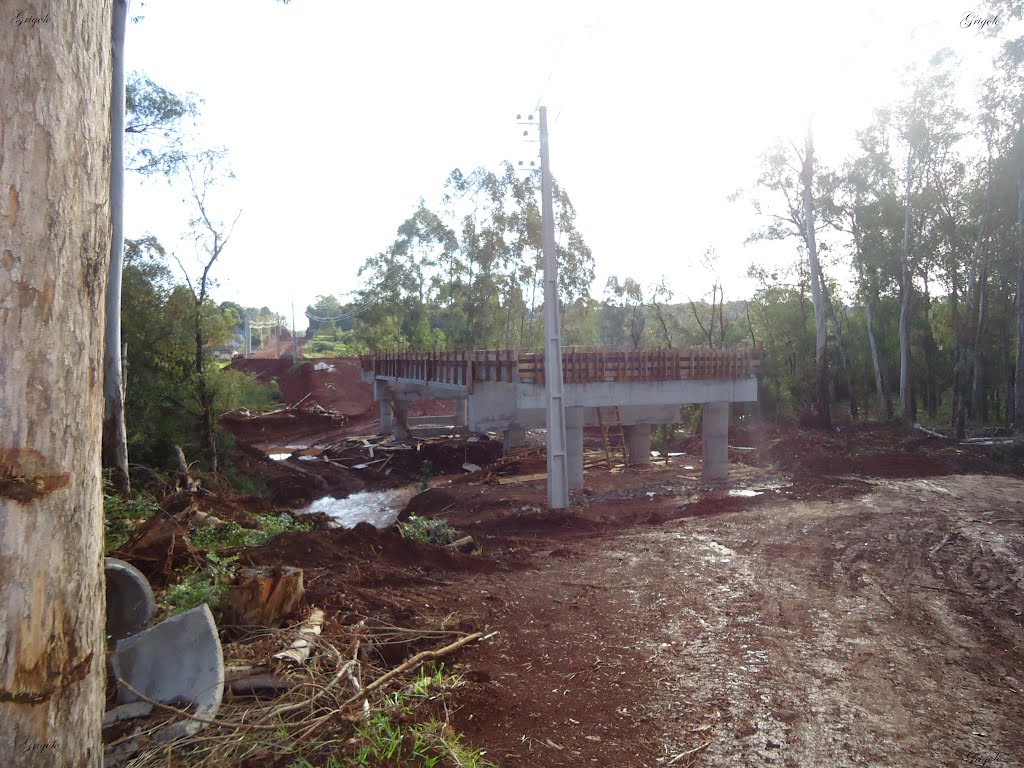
column 789, row 175
column 54, row 255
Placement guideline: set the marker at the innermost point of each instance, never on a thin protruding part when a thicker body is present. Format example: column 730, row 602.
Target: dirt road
column 883, row 629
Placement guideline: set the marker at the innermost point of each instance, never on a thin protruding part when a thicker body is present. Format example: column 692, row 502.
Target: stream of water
column 378, row 508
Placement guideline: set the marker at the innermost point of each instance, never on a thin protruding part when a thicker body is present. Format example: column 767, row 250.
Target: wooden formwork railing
column 578, row 366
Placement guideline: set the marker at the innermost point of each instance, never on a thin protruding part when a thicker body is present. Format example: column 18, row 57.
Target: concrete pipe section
column 178, row 660
column 130, row 603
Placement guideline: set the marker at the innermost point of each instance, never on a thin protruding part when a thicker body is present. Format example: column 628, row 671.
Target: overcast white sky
column 339, row 116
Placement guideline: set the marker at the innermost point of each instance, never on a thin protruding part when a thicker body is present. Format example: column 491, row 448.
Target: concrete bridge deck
column 503, row 391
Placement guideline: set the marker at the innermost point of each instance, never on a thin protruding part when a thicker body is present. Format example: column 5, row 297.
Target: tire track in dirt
column 855, row 633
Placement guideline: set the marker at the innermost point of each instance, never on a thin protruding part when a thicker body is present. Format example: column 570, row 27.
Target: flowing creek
column 378, row 508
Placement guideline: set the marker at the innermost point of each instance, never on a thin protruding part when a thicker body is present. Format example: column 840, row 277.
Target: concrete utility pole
column 558, row 478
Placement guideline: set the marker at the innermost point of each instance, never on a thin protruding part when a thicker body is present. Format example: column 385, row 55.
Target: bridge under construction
column 504, row 391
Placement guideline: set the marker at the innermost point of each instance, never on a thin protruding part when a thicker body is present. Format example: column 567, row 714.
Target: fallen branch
column 346, row 670
column 190, row 716
column 300, row 649
column 930, row 432
column 412, row 663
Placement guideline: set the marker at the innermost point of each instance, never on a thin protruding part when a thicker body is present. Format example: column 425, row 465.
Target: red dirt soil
column 863, row 605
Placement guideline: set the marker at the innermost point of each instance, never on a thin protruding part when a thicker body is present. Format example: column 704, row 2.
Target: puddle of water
column 378, row 508
column 278, row 456
column 744, row 492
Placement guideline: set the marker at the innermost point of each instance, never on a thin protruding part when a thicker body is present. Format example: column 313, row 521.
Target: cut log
column 307, row 630
column 264, row 596
column 465, row 544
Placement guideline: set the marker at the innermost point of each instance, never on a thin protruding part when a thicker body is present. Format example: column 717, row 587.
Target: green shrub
column 207, row 585
column 122, row 516
column 428, row 531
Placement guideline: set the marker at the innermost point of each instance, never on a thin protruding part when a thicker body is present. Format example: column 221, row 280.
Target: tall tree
column 822, row 405
column 54, row 251
column 205, row 172
column 115, row 435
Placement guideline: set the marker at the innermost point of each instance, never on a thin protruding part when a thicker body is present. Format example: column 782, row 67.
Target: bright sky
column 339, row 116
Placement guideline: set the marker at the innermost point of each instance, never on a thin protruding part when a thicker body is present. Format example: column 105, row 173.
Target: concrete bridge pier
column 461, row 412
column 638, row 442
column 715, row 440
column 574, row 446
column 387, row 419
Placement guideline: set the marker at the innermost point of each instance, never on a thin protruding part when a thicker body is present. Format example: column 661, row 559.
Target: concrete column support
column 715, row 440
column 512, row 438
column 400, row 415
column 638, row 442
column 461, row 412
column 387, row 421
column 574, row 446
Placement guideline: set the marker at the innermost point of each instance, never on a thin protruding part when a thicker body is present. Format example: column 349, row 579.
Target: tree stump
column 264, row 596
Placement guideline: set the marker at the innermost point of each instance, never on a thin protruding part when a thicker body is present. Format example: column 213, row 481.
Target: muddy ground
column 854, row 598
column 869, row 617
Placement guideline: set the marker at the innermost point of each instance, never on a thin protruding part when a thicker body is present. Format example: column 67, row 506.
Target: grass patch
column 232, row 535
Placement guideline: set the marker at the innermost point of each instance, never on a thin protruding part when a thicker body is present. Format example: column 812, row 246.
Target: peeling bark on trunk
column 54, row 252
column 115, row 436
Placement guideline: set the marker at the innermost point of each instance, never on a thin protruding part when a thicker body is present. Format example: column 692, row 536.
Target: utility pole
column 558, row 474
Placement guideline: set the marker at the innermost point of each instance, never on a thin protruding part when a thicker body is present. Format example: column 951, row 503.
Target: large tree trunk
column 817, row 288
column 906, row 286
column 115, row 436
column 843, row 359
column 54, row 251
column 978, row 404
column 1018, row 398
column 931, row 351
column 884, row 411
column 1007, row 319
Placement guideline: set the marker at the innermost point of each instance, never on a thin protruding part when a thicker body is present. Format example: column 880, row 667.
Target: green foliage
column 428, row 531
column 154, row 126
column 233, row 535
column 423, row 745
column 206, row 585
column 162, row 407
column 477, row 284
column 332, row 344
column 121, row 516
